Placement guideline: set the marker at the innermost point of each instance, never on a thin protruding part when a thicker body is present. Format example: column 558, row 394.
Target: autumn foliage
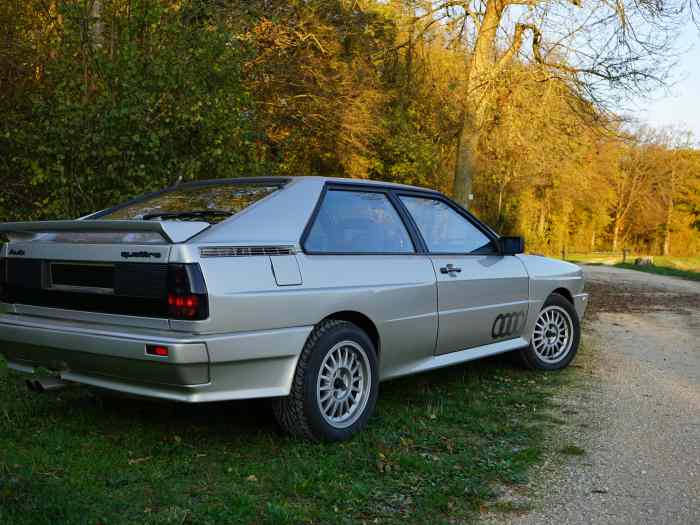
column 104, row 99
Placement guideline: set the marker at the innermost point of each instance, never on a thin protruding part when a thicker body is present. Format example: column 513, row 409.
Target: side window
column 443, row 229
column 358, row 222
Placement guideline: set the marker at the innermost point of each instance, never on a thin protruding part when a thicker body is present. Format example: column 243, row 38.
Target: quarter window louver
column 245, row 251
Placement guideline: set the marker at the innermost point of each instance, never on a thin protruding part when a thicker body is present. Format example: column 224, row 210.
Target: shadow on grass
column 249, row 418
column 438, row 445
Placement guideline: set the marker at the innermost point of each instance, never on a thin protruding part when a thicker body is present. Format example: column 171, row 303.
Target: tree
column 678, row 180
column 318, row 86
column 600, row 48
column 160, row 98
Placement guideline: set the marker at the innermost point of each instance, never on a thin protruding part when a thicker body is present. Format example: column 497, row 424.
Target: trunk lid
column 118, row 268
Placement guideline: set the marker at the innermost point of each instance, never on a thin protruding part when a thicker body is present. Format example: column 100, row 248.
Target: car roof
column 279, row 218
column 367, row 182
column 308, row 178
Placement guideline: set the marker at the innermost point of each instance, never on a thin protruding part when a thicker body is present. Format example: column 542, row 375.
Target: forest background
column 514, row 107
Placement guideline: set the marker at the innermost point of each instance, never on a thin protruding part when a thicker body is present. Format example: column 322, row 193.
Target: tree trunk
column 669, row 214
column 501, row 190
column 97, row 24
column 616, row 234
column 667, row 228
column 463, row 179
column 542, row 223
column 480, row 65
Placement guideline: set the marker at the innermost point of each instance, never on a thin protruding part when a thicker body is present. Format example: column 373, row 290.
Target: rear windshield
column 211, row 203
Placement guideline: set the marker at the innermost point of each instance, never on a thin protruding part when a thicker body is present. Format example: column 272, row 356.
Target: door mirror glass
column 511, row 245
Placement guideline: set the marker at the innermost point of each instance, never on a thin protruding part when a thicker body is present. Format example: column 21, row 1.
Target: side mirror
column 511, row 245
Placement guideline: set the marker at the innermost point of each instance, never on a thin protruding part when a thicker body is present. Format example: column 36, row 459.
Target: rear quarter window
column 357, row 222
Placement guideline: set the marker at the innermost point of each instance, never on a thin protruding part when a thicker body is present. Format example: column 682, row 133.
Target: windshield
column 210, row 203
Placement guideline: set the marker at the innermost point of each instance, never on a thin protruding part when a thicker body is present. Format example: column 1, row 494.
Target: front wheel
column 335, row 386
column 555, row 337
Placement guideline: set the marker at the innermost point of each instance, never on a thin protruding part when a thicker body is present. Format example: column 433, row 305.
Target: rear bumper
column 580, row 303
column 198, row 368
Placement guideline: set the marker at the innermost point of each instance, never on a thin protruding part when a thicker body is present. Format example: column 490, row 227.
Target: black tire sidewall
column 530, row 356
column 319, row 426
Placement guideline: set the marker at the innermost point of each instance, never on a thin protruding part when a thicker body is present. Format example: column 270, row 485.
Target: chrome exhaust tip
column 46, row 384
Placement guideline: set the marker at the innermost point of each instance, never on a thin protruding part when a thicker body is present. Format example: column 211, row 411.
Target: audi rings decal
column 507, row 324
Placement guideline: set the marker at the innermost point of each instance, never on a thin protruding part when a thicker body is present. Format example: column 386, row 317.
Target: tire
column 335, row 385
column 555, row 337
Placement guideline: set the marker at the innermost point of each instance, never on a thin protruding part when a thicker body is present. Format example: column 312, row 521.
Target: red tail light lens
column 183, row 306
column 157, row 350
column 187, row 293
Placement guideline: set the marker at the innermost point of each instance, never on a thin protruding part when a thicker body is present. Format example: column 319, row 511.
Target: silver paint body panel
column 488, row 285
column 263, row 307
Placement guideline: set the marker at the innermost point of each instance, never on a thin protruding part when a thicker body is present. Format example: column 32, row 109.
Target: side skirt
column 454, row 358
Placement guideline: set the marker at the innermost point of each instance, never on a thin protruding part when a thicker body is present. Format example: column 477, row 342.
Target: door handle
column 450, row 268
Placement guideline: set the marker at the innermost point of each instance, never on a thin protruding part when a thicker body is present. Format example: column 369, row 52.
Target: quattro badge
column 141, row 255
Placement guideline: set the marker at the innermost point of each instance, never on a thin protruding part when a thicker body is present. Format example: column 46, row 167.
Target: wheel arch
column 565, row 293
column 362, row 321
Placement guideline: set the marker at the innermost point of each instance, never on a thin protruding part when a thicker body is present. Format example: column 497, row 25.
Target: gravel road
column 639, row 422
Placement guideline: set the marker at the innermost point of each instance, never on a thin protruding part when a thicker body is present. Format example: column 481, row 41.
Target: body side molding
column 453, row 358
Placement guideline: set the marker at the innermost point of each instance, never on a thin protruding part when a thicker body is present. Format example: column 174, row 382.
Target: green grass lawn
column 437, row 451
column 684, row 267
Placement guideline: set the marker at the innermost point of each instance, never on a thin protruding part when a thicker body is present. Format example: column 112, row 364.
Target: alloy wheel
column 553, row 335
column 344, row 383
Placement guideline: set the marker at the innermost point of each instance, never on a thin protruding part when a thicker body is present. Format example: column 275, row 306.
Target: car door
column 361, row 256
column 482, row 296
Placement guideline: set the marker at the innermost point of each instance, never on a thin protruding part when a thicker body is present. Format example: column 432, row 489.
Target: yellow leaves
column 383, row 464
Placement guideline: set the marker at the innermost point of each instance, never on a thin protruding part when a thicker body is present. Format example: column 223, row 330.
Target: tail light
column 187, row 293
column 157, row 350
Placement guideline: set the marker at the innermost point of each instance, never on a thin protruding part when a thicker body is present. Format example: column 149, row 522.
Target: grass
column 436, row 452
column 572, row 450
column 693, row 275
column 683, row 267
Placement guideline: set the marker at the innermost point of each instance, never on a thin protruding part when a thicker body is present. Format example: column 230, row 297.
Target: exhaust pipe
column 46, row 384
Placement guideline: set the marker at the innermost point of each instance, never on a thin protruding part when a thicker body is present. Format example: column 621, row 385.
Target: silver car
column 309, row 291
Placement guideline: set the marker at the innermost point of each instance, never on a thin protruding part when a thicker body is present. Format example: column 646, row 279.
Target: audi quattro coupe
column 308, row 291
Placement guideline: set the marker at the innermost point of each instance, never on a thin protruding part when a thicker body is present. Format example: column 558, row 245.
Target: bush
column 133, row 100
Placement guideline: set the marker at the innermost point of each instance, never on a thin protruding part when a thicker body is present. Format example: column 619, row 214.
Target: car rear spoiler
column 171, row 231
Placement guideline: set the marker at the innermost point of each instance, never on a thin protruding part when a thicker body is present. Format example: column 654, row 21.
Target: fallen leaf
column 139, row 460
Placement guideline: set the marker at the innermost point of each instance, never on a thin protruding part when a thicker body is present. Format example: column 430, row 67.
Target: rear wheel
column 555, row 337
column 335, row 386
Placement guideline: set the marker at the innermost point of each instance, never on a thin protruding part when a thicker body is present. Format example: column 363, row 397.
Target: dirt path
column 639, row 424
